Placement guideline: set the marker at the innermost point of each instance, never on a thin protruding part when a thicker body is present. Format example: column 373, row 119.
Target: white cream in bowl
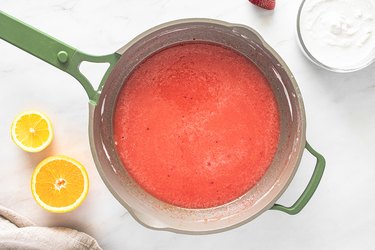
column 338, row 34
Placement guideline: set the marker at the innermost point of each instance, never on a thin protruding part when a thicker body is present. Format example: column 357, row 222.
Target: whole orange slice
column 59, row 184
column 32, row 131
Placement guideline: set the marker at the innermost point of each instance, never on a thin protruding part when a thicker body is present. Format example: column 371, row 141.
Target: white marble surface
column 340, row 111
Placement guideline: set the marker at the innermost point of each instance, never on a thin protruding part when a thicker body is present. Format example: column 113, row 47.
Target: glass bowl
column 304, row 47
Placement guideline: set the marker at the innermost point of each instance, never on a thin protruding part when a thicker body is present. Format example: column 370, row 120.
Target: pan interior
column 156, row 213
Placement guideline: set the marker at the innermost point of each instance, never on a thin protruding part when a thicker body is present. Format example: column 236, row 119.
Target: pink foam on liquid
column 196, row 125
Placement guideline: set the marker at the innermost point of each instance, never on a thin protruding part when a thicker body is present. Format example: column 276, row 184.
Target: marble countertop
column 340, row 117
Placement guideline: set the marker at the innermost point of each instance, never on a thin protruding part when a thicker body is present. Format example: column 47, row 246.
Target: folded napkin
column 17, row 232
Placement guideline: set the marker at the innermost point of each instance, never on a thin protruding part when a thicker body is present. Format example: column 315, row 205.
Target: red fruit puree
column 196, row 125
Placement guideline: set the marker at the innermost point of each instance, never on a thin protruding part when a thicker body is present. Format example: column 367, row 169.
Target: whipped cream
column 340, row 34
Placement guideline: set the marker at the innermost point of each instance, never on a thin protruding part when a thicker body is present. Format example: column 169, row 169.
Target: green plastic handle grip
column 54, row 52
column 311, row 186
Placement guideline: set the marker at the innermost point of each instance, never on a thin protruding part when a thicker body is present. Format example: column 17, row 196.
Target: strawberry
column 265, row 4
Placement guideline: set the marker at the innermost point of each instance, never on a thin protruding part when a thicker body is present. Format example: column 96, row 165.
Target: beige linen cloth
column 18, row 232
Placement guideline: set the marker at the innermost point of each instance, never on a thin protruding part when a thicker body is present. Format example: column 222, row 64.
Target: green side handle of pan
column 311, row 186
column 54, row 52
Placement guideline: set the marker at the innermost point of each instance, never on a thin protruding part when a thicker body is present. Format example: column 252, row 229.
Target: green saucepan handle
column 54, row 52
column 311, row 187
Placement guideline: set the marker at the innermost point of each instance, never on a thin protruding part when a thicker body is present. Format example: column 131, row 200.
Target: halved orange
column 59, row 184
column 32, row 131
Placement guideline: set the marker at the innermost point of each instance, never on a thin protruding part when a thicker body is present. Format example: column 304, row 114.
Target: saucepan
column 145, row 208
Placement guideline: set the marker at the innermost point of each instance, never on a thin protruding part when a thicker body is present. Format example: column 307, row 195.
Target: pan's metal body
column 144, row 207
